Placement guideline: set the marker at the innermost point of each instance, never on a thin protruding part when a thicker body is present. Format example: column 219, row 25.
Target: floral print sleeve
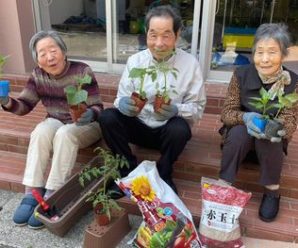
column 289, row 119
column 231, row 114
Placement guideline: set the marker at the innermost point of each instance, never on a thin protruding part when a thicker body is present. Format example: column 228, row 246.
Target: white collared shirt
column 190, row 98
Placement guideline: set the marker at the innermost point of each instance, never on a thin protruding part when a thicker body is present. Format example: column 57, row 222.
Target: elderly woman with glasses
column 241, row 134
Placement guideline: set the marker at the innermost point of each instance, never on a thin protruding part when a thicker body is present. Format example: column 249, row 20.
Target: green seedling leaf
column 140, row 73
column 277, row 105
column 85, row 80
column 271, row 106
column 78, row 97
column 82, row 181
column 264, row 104
column 3, row 60
column 70, row 90
column 137, row 72
column 153, row 76
column 88, row 177
column 109, row 169
column 75, row 94
column 264, row 94
column 257, row 99
column 175, row 75
column 284, row 102
column 257, row 105
column 292, row 97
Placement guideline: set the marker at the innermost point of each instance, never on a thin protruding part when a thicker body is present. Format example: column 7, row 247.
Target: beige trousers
column 64, row 140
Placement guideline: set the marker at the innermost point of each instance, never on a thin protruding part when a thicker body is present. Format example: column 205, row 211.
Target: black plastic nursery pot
column 272, row 127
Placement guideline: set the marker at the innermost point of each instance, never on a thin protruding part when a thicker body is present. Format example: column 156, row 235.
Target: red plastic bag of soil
column 222, row 205
column 167, row 223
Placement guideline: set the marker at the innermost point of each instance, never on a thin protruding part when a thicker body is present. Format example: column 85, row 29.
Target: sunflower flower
column 141, row 187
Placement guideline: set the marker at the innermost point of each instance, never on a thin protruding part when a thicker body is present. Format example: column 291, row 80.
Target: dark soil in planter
column 140, row 103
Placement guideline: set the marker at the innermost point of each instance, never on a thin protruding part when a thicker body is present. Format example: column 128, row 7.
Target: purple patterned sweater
column 50, row 91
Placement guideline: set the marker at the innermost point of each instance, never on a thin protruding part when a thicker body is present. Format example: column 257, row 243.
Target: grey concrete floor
column 12, row 236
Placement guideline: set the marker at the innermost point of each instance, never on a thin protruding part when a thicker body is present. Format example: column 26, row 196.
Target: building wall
column 16, row 29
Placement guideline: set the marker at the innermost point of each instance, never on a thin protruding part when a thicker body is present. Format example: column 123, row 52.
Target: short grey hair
column 45, row 34
column 276, row 31
column 164, row 11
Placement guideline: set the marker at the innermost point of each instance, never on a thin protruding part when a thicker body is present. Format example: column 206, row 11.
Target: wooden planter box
column 70, row 201
column 107, row 236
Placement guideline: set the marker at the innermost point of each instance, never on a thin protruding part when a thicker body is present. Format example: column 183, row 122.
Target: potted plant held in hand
column 2, row 63
column 163, row 93
column 268, row 124
column 102, row 202
column 76, row 97
column 4, row 84
column 139, row 96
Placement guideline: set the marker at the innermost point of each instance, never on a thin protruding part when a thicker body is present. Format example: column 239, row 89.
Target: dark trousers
column 119, row 130
column 238, row 143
